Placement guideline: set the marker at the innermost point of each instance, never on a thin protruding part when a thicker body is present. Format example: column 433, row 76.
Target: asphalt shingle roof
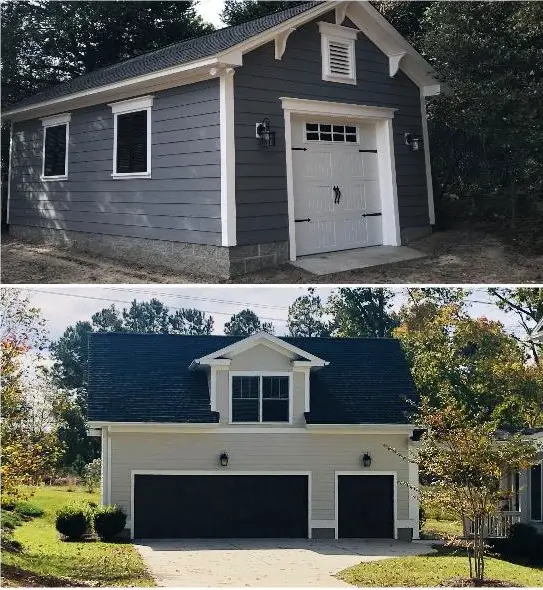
column 145, row 378
column 172, row 55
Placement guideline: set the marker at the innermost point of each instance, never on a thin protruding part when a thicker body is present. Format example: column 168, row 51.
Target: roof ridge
column 117, row 333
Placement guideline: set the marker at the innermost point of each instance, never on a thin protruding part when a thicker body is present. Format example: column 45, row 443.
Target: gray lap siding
column 258, row 85
column 180, row 202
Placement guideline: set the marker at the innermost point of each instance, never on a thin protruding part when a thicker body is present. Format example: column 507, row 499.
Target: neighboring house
column 218, row 436
column 298, row 133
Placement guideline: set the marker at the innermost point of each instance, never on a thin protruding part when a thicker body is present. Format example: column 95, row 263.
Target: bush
column 524, row 545
column 109, row 521
column 91, row 475
column 74, row 520
column 10, row 520
column 8, row 503
column 28, row 509
column 422, row 518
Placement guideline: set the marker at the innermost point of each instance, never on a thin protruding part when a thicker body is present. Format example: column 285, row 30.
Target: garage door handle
column 301, row 220
column 371, row 214
column 337, row 194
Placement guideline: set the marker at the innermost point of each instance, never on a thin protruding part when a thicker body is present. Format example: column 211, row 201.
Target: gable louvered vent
column 340, row 58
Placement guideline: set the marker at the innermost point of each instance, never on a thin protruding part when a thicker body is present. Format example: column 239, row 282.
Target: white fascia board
column 218, row 363
column 303, row 365
column 254, row 340
column 361, row 428
column 164, row 427
column 305, row 106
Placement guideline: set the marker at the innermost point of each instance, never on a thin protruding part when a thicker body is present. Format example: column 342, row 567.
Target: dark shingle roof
column 172, row 55
column 145, row 378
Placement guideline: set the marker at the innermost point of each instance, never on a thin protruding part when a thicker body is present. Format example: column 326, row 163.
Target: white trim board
column 10, row 170
column 394, row 475
column 385, row 157
column 223, row 471
column 56, row 121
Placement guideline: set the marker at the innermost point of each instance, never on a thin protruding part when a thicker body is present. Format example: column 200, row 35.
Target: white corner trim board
column 10, row 168
column 394, row 475
column 427, row 160
column 382, row 117
column 135, row 472
column 228, row 158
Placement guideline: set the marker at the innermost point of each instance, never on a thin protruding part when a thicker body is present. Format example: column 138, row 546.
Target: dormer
column 260, row 381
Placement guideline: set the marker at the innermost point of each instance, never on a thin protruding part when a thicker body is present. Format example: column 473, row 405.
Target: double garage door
column 256, row 506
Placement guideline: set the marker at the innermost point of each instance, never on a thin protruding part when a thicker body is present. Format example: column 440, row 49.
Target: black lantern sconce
column 366, row 460
column 266, row 138
column 413, row 141
column 223, row 459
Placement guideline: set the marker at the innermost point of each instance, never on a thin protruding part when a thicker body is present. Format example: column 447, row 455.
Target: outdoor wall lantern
column 413, row 141
column 266, row 138
column 223, row 459
column 366, row 460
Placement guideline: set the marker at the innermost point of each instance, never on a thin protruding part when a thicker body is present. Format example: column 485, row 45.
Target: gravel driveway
column 453, row 256
column 263, row 562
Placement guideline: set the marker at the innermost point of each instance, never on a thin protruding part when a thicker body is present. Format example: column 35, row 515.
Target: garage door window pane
column 245, row 399
column 334, row 133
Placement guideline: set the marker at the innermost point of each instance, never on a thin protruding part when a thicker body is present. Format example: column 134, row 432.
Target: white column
column 427, row 162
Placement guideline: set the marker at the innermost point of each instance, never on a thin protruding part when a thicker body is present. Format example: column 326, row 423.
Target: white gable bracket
column 341, row 12
column 394, row 61
column 281, row 42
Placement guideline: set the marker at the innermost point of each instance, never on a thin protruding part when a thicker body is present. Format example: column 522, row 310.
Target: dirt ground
column 453, row 256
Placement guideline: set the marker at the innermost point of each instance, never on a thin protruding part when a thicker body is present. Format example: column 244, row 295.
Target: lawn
column 85, row 563
column 432, row 570
column 441, row 529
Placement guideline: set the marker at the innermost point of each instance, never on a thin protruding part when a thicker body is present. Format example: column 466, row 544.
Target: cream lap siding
column 320, row 454
column 260, row 358
column 179, row 203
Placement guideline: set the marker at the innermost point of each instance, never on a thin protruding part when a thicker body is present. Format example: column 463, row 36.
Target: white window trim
column 394, row 475
column 261, row 374
column 330, row 32
column 320, row 141
column 56, row 120
column 143, row 103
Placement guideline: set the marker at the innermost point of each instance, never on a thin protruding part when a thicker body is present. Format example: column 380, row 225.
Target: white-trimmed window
column 132, row 137
column 260, row 398
column 331, row 132
column 56, row 138
column 338, row 53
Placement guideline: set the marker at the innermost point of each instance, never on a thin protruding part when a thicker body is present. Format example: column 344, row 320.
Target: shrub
column 74, row 520
column 10, row 520
column 422, row 518
column 524, row 545
column 109, row 521
column 27, row 508
column 91, row 474
column 8, row 503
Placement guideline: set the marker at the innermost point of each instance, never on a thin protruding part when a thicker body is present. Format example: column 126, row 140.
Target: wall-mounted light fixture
column 366, row 460
column 223, row 459
column 413, row 141
column 266, row 138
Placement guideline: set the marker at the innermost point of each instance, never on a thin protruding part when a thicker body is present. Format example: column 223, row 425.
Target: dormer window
column 257, row 398
column 338, row 53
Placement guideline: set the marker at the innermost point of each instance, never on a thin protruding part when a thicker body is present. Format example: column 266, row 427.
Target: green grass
column 442, row 529
column 90, row 562
column 431, row 570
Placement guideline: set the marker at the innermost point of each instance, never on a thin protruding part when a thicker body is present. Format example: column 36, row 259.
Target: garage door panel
column 365, row 506
column 220, row 506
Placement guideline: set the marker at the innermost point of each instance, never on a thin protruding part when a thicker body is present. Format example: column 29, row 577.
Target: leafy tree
column 236, row 12
column 405, row 16
column 306, row 316
column 92, row 474
column 362, row 312
column 246, row 323
column 468, row 362
column 526, row 303
column 462, row 458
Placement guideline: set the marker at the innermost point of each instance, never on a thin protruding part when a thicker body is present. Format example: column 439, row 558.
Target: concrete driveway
column 263, row 562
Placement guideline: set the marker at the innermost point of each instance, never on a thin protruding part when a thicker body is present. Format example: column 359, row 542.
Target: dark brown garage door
column 366, row 506
column 220, row 506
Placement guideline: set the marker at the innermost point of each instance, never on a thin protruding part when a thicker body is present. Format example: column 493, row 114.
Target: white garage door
column 336, row 191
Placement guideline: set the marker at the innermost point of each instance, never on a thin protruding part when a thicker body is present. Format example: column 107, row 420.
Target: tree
column 246, row 323
column 362, row 312
column 29, row 445
column 406, row 17
column 464, row 460
column 236, row 12
column 469, row 362
column 306, row 316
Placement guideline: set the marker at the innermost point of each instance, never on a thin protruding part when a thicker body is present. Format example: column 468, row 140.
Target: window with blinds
column 131, row 142
column 54, row 153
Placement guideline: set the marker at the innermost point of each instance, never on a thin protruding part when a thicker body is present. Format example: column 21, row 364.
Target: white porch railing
column 497, row 525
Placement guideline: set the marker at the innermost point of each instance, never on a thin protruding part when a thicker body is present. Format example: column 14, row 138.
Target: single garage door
column 220, row 506
column 366, row 506
column 337, row 203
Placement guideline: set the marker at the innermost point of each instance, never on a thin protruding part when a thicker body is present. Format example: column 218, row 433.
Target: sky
column 63, row 306
column 209, row 10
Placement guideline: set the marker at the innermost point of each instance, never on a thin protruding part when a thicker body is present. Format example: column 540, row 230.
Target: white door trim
column 394, row 495
column 385, row 156
column 224, row 471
